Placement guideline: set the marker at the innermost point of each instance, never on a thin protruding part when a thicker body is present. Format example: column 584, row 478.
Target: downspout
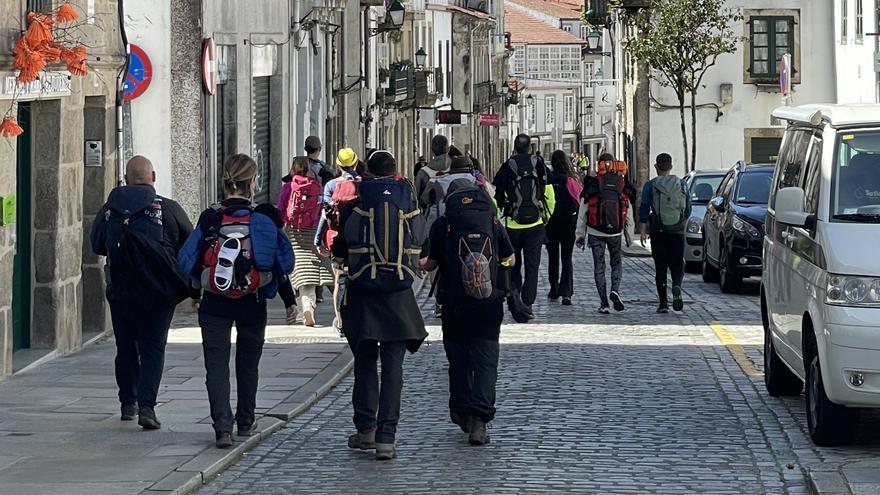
column 120, row 79
column 471, row 82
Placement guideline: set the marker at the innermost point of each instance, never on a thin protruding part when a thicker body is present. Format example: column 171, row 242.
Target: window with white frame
column 554, row 62
column 568, row 102
column 588, row 72
column 550, row 110
column 518, row 61
column 844, row 20
column 585, row 31
column 587, row 111
column 860, row 26
column 530, row 116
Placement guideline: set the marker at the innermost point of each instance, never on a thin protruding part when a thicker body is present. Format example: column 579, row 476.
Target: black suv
column 733, row 228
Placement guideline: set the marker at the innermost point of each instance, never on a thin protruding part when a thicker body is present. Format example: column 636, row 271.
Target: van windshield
column 856, row 179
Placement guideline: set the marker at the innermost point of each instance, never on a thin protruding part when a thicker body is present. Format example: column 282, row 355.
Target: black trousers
column 561, row 248
column 141, row 337
column 216, row 317
column 668, row 253
column 527, row 246
column 473, row 374
column 377, row 406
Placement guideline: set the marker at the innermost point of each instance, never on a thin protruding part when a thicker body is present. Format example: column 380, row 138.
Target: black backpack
column 472, row 272
column 384, row 233
column 608, row 205
column 525, row 193
column 141, row 270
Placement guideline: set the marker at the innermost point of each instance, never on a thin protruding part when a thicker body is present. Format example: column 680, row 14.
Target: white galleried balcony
column 414, row 5
column 442, row 3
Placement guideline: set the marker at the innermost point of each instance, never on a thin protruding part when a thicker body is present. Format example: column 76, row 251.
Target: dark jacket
column 382, row 317
column 176, row 226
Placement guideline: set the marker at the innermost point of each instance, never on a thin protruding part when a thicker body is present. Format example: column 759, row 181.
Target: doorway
column 23, row 261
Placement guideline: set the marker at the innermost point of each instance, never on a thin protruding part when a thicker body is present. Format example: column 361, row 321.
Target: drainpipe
column 120, row 79
column 471, row 82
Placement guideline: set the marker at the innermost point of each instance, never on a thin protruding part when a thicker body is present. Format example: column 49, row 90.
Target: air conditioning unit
column 481, row 5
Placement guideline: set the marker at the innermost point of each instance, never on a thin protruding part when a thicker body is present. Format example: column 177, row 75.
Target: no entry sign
column 139, row 75
column 209, row 66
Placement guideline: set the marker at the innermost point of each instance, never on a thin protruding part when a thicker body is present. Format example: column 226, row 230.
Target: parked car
column 733, row 227
column 820, row 295
column 702, row 185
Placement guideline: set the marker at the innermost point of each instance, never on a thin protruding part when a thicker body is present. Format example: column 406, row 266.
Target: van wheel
column 778, row 378
column 710, row 273
column 830, row 424
column 728, row 277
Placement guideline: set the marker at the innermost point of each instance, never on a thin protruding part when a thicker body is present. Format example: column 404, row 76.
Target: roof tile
column 524, row 28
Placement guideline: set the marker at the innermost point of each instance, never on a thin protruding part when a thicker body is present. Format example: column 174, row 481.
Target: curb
column 199, row 470
column 821, row 481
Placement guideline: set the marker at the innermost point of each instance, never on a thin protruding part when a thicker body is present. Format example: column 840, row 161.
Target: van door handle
column 788, row 237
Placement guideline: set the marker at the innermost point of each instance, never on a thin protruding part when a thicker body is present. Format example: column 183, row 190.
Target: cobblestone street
column 587, row 403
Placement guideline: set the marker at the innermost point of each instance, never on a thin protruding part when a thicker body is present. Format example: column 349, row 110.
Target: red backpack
column 304, row 208
column 345, row 193
column 608, row 206
column 229, row 259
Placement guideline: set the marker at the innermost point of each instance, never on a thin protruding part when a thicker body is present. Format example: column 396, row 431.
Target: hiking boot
column 224, row 440
column 385, row 451
column 479, row 433
column 129, row 411
column 362, row 440
column 604, row 310
column 147, row 419
column 530, row 310
column 438, row 311
column 309, row 318
column 663, row 309
column 247, row 430
column 566, row 301
column 553, row 296
column 462, row 421
column 677, row 301
column 617, row 301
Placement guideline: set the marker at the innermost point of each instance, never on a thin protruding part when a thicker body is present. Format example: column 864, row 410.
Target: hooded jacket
column 438, row 165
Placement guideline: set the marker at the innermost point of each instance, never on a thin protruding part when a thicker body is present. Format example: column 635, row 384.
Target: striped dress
column 310, row 268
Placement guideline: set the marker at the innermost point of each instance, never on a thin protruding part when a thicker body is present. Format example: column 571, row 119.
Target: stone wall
column 7, row 251
column 187, row 154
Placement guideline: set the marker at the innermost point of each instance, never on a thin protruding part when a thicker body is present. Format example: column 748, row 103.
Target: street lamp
column 393, row 19
column 505, row 91
column 593, row 40
column 396, row 12
column 421, row 58
column 530, row 99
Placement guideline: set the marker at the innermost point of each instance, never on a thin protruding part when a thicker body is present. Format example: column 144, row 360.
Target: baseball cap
column 313, row 142
column 346, row 158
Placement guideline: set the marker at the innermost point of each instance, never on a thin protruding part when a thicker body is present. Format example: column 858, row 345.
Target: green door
column 21, row 275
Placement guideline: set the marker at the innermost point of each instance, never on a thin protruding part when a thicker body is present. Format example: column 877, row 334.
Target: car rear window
column 754, row 187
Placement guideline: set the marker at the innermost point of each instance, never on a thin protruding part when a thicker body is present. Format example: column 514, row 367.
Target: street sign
column 427, row 117
column 139, row 75
column 489, row 120
column 606, row 99
column 209, row 66
column 449, row 117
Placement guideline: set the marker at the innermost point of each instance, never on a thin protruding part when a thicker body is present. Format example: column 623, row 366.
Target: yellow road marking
column 736, row 350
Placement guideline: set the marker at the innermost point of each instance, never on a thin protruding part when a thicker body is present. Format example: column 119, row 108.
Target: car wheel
column 728, row 277
column 829, row 423
column 778, row 378
column 710, row 273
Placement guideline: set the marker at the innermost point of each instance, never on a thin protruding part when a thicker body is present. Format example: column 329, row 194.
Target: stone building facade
column 52, row 298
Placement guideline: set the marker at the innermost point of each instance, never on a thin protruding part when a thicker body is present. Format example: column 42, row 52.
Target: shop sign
column 48, row 85
column 489, row 120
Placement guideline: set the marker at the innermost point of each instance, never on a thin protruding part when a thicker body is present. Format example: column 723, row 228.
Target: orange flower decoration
column 39, row 31
column 66, row 13
column 52, row 52
column 10, row 128
column 78, row 68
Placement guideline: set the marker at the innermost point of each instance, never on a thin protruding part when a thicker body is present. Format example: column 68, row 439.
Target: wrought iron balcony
column 485, row 94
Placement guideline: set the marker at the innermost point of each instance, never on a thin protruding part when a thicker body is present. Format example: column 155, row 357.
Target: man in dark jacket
column 438, row 166
column 378, row 326
column 525, row 211
column 140, row 324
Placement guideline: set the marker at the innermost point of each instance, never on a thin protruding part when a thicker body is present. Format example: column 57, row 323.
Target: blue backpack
column 384, row 233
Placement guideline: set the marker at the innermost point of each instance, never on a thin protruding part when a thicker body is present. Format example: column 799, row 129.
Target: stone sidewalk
column 849, row 478
column 60, row 430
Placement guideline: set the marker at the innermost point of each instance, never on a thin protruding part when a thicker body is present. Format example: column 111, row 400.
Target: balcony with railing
column 485, row 95
column 407, row 87
column 414, row 6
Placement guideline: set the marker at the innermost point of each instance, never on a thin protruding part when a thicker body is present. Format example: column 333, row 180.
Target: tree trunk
column 694, row 130
column 684, row 136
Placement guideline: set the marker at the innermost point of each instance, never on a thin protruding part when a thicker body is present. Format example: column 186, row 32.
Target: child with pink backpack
column 300, row 202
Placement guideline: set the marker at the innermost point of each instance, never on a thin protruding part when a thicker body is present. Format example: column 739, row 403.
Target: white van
column 820, row 291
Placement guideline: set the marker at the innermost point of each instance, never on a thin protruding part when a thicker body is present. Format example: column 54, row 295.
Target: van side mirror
column 790, row 207
column 718, row 204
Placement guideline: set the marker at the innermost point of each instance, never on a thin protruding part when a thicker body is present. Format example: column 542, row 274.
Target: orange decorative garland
column 37, row 47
